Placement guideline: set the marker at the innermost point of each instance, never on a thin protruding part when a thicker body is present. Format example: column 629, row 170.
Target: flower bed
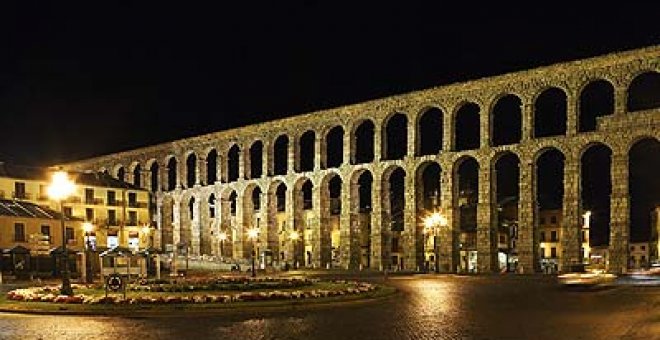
column 50, row 294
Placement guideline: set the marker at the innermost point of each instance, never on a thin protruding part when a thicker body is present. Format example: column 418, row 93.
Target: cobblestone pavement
column 429, row 307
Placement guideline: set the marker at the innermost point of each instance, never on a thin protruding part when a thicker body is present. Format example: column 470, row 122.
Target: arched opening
column 233, row 159
column 281, row 155
column 549, row 211
column 644, row 191
column 256, row 159
column 507, row 179
column 550, row 113
column 137, row 176
column 429, row 178
column 467, row 129
column 154, row 176
column 256, row 199
column 644, row 92
column 233, row 197
column 596, row 187
column 466, row 199
column 363, row 218
column 396, row 137
column 430, row 130
column 596, row 100
column 306, row 189
column 121, row 174
column 334, row 192
column 191, row 170
column 506, row 120
column 167, row 237
column 334, row 147
column 212, row 167
column 171, row 174
column 393, row 248
column 307, row 151
column 212, row 206
column 301, row 248
column 280, row 197
column 363, row 149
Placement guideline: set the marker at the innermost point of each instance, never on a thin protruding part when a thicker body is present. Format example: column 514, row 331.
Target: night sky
column 80, row 81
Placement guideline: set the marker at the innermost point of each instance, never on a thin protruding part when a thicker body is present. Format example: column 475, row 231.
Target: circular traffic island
column 201, row 295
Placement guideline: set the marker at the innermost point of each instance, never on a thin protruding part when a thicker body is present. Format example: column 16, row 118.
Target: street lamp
column 59, row 189
column 432, row 226
column 88, row 228
column 223, row 237
column 253, row 234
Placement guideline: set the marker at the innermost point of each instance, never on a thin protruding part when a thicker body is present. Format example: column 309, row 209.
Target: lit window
column 19, row 232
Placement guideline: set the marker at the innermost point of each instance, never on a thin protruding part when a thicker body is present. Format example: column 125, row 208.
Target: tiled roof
column 43, row 174
column 25, row 209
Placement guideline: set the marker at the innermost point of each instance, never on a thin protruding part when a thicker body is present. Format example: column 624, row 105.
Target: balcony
column 20, row 195
column 93, row 201
column 139, row 205
column 115, row 203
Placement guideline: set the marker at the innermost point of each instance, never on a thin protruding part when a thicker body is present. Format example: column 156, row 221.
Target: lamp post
column 88, row 228
column 432, row 226
column 223, row 237
column 59, row 189
column 253, row 234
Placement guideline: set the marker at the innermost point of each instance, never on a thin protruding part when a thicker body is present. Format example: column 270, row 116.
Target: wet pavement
column 428, row 307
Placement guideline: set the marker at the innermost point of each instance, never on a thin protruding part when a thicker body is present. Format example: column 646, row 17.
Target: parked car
column 582, row 276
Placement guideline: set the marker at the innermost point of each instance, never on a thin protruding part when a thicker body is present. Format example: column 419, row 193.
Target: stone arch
column 427, row 179
column 466, row 197
column 281, row 155
column 506, row 120
column 306, row 151
column 644, row 92
column 154, row 173
column 395, row 136
column 233, row 163
column 644, row 192
column 430, row 131
column 276, row 219
column 330, row 220
column 120, row 173
column 188, row 218
column 595, row 190
column 505, row 194
column 467, row 127
column 212, row 166
column 596, row 100
column 362, row 141
column 549, row 163
column 256, row 159
column 550, row 113
column 191, row 169
column 136, row 170
column 172, row 175
column 393, row 191
column 334, row 147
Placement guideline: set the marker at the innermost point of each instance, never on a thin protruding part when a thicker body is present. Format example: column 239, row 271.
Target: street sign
column 114, row 282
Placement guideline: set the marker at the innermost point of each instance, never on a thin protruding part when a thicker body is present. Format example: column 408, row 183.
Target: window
column 113, row 240
column 542, row 221
column 132, row 218
column 112, row 199
column 395, row 244
column 89, row 214
column 19, row 232
column 133, row 241
column 643, row 247
column 553, row 252
column 542, row 251
column 502, row 239
column 584, row 236
column 553, row 219
column 45, row 230
column 112, row 217
column 632, row 248
column 89, row 196
column 542, row 236
column 132, row 199
column 70, row 234
column 68, row 211
column 553, row 236
column 19, row 190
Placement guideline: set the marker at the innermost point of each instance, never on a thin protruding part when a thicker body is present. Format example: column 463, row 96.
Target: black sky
column 82, row 81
